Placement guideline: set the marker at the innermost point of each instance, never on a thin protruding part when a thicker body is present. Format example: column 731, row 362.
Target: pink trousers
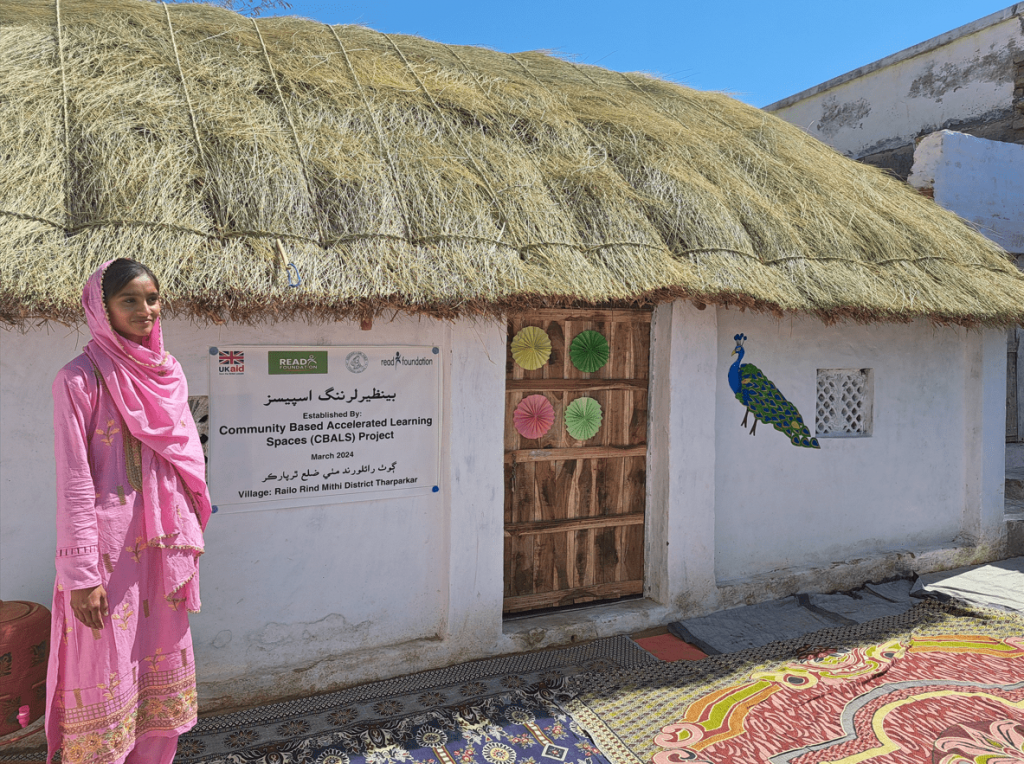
column 155, row 749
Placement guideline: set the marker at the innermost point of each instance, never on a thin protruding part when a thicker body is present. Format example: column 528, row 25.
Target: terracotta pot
column 24, row 649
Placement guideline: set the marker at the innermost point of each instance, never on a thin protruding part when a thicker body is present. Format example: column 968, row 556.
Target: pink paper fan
column 533, row 417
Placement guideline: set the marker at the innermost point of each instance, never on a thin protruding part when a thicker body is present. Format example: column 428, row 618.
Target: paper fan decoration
column 583, row 418
column 531, row 347
column 589, row 351
column 533, row 417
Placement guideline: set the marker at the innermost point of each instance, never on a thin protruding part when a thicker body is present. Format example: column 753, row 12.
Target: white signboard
column 322, row 425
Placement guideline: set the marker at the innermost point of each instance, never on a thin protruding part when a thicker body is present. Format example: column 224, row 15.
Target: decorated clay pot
column 24, row 649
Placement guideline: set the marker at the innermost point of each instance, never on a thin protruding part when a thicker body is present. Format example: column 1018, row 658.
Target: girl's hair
column 122, row 271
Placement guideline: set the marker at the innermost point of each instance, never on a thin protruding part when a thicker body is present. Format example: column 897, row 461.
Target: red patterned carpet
column 948, row 689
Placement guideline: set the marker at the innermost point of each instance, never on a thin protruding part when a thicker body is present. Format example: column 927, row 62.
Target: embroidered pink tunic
column 136, row 676
column 126, row 519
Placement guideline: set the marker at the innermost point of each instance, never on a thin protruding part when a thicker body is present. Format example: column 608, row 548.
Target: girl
column 132, row 504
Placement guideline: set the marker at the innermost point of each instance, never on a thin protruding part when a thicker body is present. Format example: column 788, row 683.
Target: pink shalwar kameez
column 131, row 507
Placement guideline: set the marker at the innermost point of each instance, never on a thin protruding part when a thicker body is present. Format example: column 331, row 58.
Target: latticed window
column 844, row 403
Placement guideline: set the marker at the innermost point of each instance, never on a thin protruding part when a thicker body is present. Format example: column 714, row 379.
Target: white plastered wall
column 981, row 181
column 919, row 492
column 311, row 599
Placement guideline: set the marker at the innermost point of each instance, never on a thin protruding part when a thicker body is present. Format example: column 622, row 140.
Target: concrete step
column 1015, row 484
column 1015, row 534
column 1014, row 456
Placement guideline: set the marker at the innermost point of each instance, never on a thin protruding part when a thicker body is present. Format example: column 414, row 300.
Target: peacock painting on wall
column 763, row 399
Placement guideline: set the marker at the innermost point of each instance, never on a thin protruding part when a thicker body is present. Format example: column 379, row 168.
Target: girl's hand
column 90, row 606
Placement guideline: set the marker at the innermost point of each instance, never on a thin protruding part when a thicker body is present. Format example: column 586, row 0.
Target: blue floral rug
column 523, row 727
column 496, row 711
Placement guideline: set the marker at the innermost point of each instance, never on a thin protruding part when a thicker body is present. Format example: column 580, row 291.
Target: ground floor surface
column 925, row 670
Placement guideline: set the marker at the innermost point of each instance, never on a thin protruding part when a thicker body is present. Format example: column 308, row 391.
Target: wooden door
column 574, row 510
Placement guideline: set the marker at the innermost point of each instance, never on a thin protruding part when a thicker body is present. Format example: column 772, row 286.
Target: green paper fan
column 589, row 351
column 583, row 418
column 531, row 348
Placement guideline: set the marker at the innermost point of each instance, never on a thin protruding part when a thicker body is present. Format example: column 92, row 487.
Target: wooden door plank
column 632, row 552
column 607, row 330
column 559, row 385
column 511, row 546
column 642, row 355
column 635, row 487
column 569, row 370
column 638, row 422
column 509, row 498
column 546, row 477
column 525, row 455
column 565, row 472
column 520, row 551
column 512, row 369
column 585, row 487
column 618, row 339
column 570, row 559
column 523, row 503
column 629, row 348
column 611, row 590
column 513, row 441
column 553, row 368
column 549, row 563
column 614, row 418
column 578, row 524
column 607, row 555
column 609, row 486
column 584, row 562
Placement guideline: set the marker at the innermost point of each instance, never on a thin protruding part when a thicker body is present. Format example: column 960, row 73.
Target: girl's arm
column 75, row 396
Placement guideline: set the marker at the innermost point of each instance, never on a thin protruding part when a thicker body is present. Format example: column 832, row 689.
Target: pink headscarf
column 149, row 389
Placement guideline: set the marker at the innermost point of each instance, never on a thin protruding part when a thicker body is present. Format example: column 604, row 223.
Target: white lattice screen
column 844, row 403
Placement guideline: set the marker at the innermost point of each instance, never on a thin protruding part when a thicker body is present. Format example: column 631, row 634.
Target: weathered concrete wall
column 969, row 80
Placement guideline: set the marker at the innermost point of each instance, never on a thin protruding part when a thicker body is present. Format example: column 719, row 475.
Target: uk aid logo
column 231, row 362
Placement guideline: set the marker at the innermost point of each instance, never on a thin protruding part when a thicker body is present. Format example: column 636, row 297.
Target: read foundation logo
column 297, row 362
column 400, row 360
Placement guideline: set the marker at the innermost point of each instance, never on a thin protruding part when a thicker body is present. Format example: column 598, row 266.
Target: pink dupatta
column 149, row 388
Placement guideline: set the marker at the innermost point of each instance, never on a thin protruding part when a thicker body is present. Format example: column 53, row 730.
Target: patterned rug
column 499, row 711
column 936, row 684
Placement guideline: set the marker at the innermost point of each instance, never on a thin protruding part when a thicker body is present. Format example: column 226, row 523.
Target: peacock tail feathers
column 764, row 400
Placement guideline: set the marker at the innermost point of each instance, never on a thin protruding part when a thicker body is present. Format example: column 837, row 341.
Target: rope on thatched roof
column 508, row 221
column 295, row 136
column 184, row 84
column 64, row 109
column 381, row 142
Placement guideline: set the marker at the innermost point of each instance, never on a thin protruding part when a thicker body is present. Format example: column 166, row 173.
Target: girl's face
column 134, row 310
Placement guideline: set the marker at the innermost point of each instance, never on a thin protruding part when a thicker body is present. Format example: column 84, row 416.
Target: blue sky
column 758, row 51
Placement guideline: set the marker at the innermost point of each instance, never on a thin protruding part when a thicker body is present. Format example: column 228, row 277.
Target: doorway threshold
column 582, row 623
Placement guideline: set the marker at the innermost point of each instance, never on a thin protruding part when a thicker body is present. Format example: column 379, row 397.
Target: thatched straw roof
column 406, row 174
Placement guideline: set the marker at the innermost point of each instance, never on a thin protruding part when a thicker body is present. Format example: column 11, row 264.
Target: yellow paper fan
column 531, row 347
